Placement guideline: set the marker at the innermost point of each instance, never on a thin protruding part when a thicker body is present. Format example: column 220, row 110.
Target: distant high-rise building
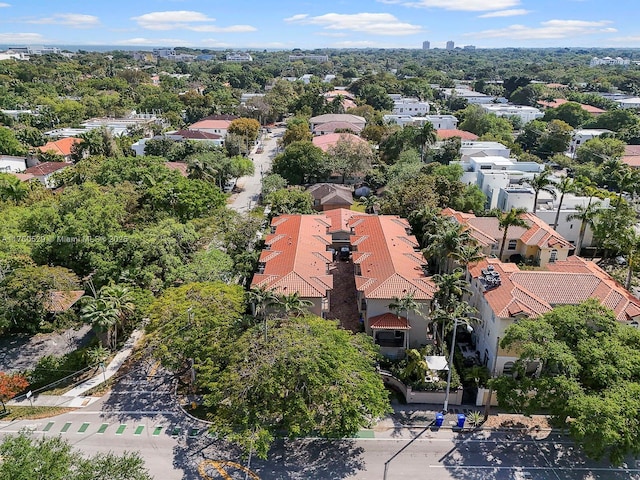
column 469, row 47
column 450, row 45
column 426, row 45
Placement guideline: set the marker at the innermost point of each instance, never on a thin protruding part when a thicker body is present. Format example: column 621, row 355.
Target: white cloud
column 75, row 20
column 3, row 5
column 152, row 41
column 21, row 38
column 185, row 20
column 505, row 13
column 462, row 5
column 373, row 23
column 332, row 34
column 548, row 30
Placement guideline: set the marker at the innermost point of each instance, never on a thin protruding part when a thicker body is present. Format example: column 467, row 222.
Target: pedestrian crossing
column 137, row 430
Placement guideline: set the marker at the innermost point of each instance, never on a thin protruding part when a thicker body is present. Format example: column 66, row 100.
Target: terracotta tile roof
column 568, row 282
column 60, row 147
column 180, row 167
column 197, row 134
column 389, row 321
column 386, row 269
column 210, row 124
column 23, row 177
column 339, row 218
column 632, row 155
column 450, row 133
column 47, row 168
column 297, row 258
column 486, row 230
column 560, row 101
column 323, row 142
column 61, row 301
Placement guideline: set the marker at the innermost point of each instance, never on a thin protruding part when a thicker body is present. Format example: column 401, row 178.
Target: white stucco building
column 523, row 112
column 410, row 106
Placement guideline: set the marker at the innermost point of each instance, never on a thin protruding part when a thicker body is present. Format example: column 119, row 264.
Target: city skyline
column 287, row 24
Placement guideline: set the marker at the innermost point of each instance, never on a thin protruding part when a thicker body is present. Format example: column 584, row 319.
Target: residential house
column 62, row 147
column 467, row 94
column 347, row 99
column 474, row 148
column 334, row 127
column 44, row 171
column 239, row 57
column 217, row 127
column 631, row 156
column 583, row 135
column 595, row 111
column 296, row 259
column 62, row 301
column 180, row 135
column 523, row 112
column 12, row 163
column 633, row 102
column 388, row 265
column 329, row 196
column 354, row 123
column 410, row 106
column 539, row 244
column 493, row 173
column 502, row 293
column 446, row 133
column 340, row 230
column 439, row 122
column 324, row 142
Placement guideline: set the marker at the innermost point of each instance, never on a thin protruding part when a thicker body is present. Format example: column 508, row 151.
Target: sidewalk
column 73, row 397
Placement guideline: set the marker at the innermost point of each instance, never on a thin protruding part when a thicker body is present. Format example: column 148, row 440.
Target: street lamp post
column 453, row 346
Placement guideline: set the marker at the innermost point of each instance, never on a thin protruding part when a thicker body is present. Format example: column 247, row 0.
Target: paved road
column 250, row 187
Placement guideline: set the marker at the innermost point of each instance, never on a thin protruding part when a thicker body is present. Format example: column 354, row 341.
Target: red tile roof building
column 61, row 147
column 388, row 265
column 561, row 101
column 632, row 155
column 538, row 242
column 443, row 134
column 531, row 293
column 296, row 259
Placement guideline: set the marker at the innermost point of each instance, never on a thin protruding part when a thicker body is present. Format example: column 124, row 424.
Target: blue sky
column 304, row 24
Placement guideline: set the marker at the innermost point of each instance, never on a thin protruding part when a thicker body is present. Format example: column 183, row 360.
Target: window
column 508, row 368
column 554, row 255
column 512, row 245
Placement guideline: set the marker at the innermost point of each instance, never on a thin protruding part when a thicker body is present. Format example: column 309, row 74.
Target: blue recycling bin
column 461, row 420
column 439, row 419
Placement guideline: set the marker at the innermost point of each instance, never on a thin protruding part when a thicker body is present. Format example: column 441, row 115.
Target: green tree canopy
column 587, row 375
column 307, row 377
column 300, row 163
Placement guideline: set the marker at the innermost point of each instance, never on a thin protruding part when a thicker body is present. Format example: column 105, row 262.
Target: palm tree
column 416, row 368
column 426, row 221
column 507, row 220
column 201, row 169
column 451, row 287
column 469, row 254
column 426, row 135
column 102, row 316
column 626, row 179
column 369, row 202
column 293, row 304
column 14, row 191
column 261, row 298
column 447, row 318
column 587, row 216
column 542, row 183
column 632, row 253
column 564, row 186
column 405, row 304
column 122, row 300
column 445, row 243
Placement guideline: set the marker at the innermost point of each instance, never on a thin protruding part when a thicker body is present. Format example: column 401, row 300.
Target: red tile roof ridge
column 389, row 321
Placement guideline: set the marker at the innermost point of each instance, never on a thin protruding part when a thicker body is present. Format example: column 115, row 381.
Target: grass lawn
column 21, row 413
column 358, row 207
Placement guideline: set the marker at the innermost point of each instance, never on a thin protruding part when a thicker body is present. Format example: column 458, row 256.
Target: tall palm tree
column 426, row 135
column 261, row 299
column 293, row 304
column 201, row 169
column 445, row 243
column 122, row 300
column 102, row 316
column 447, row 317
column 426, row 221
column 542, row 183
column 406, row 304
column 632, row 253
column 507, row 220
column 626, row 179
column 587, row 216
column 469, row 254
column 451, row 288
column 564, row 186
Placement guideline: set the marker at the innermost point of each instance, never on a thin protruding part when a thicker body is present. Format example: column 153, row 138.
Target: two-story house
column 388, row 266
column 296, row 259
column 539, row 244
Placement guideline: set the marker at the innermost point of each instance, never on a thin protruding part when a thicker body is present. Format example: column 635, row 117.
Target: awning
column 389, row 321
column 437, row 363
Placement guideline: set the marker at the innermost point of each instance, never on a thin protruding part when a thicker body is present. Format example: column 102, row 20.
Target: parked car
column 620, row 260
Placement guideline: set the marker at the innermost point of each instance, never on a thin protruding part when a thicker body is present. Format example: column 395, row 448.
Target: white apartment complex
column 525, row 113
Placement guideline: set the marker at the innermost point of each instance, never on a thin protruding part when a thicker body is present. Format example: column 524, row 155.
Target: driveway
column 250, row 187
column 21, row 351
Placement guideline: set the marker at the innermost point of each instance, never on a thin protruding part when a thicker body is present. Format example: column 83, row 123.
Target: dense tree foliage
column 580, row 364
